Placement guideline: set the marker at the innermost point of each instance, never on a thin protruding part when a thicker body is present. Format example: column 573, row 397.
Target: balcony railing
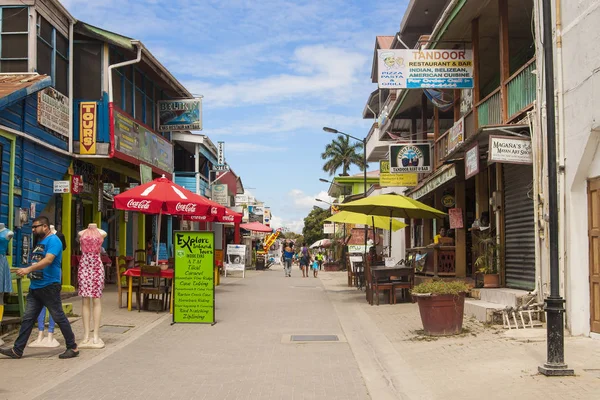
column 521, row 88
column 489, row 110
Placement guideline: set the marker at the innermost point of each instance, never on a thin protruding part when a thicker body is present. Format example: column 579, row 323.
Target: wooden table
column 135, row 272
column 378, row 272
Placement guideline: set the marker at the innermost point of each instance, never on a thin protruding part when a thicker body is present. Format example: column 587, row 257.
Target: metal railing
column 521, row 89
column 489, row 110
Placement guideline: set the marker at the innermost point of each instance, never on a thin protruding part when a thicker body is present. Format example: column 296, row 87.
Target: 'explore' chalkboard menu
column 194, row 286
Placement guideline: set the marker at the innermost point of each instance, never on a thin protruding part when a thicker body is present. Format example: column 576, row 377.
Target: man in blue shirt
column 44, row 290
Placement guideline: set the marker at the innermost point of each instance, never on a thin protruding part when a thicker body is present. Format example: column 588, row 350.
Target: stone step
column 483, row 311
column 504, row 297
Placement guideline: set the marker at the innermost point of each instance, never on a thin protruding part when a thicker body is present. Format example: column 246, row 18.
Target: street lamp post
column 364, row 142
column 330, row 205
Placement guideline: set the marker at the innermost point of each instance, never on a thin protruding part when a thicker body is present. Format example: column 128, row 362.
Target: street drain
column 115, row 328
column 315, row 338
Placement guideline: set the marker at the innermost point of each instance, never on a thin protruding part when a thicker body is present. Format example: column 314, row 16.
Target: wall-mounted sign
column 135, row 140
column 267, row 216
column 410, row 158
column 387, row 179
column 241, row 199
column 328, row 228
column 456, row 135
column 61, row 187
column 53, row 111
column 472, row 161
column 194, row 285
column 220, row 153
column 445, row 175
column 448, row 201
column 180, row 115
column 456, row 218
column 88, row 121
column 510, row 150
column 220, row 195
column 145, row 173
column 419, row 69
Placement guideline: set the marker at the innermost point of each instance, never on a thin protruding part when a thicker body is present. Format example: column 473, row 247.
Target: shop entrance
column 594, row 251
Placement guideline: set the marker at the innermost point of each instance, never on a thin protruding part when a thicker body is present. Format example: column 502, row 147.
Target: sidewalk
column 399, row 362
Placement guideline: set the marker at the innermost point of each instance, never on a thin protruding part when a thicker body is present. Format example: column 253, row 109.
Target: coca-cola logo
column 214, row 210
column 187, row 207
column 139, row 205
column 198, row 218
column 228, row 218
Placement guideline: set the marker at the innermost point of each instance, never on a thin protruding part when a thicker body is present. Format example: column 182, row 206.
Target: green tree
column 340, row 153
column 313, row 225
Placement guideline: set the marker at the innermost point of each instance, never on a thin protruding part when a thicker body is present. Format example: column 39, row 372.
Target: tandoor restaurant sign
column 510, row 150
column 53, row 111
column 180, row 115
column 139, row 142
column 420, row 69
column 410, row 158
column 387, row 179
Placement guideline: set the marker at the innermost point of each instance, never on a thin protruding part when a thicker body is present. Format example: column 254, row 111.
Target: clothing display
column 5, row 280
column 91, row 270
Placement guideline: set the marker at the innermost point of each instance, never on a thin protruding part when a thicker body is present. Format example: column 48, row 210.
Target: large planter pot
column 491, row 280
column 441, row 314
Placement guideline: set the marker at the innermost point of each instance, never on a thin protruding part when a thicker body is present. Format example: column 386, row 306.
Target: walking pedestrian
column 44, row 290
column 319, row 257
column 304, row 260
column 288, row 254
column 315, row 268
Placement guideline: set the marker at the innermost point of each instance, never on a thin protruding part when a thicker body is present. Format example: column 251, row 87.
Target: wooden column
column 456, row 106
column 482, row 193
column 428, row 232
column 504, row 56
column 436, row 136
column 66, row 229
column 476, row 93
column 460, row 237
column 423, row 136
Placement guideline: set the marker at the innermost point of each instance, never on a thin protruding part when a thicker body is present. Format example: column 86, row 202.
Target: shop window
column 87, row 72
column 13, row 39
column 53, row 55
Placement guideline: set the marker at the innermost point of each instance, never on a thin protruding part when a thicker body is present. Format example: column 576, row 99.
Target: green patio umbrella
column 348, row 217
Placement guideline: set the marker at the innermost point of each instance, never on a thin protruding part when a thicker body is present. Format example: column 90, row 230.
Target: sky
column 272, row 74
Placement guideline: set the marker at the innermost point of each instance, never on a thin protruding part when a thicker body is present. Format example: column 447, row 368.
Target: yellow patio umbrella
column 348, row 217
column 392, row 205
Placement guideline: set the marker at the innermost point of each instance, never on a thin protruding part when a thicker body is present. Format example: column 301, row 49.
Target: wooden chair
column 121, row 279
column 383, row 284
column 155, row 287
column 405, row 281
column 350, row 269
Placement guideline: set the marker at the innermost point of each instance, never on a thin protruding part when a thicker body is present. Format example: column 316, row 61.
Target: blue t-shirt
column 52, row 273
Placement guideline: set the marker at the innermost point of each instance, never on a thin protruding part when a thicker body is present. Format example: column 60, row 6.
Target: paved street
column 248, row 354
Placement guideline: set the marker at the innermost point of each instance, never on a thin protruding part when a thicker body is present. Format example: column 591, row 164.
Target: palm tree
column 340, row 153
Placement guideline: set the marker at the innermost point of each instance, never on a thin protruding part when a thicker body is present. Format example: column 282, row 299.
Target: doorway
column 594, row 251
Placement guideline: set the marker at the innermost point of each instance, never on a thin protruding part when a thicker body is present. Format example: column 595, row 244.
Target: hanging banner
column 421, row 69
column 88, row 118
column 472, row 161
column 510, row 150
column 410, row 158
column 180, row 115
column 456, row 135
column 220, row 194
column 194, row 285
column 387, row 179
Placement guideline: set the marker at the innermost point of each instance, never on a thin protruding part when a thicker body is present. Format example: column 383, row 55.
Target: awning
column 15, row 87
column 443, row 175
column 104, row 35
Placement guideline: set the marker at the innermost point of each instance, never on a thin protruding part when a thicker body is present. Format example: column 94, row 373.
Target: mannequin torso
column 5, row 280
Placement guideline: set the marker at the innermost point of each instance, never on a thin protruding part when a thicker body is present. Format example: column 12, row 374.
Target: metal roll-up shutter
column 519, row 227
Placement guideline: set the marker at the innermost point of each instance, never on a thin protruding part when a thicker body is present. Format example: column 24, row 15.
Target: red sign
column 76, row 184
column 456, row 218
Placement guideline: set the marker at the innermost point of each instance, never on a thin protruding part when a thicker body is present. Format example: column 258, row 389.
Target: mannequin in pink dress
column 91, row 283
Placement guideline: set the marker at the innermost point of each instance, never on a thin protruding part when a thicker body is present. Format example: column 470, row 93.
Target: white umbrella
column 320, row 243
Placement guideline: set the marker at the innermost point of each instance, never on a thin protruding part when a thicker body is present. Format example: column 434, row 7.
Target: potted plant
column 487, row 249
column 441, row 305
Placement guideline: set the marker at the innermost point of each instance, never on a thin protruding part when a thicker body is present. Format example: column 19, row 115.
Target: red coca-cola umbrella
column 256, row 227
column 163, row 196
column 230, row 216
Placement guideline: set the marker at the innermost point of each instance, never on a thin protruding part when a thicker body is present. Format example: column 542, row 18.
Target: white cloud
column 302, row 201
column 293, row 225
column 238, row 147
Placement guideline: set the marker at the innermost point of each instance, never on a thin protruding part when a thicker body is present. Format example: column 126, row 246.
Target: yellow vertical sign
column 388, row 179
column 88, row 122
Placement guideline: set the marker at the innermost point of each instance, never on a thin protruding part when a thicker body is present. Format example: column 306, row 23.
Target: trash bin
column 260, row 261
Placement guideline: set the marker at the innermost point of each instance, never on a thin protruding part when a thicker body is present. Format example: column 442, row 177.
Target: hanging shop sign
column 61, row 187
column 387, row 179
column 77, row 184
column 220, row 195
column 135, row 140
column 425, row 69
column 241, row 199
column 194, row 285
column 410, row 158
column 472, row 161
column 53, row 111
column 180, row 115
column 444, row 176
column 510, row 150
column 456, row 135
column 267, row 216
column 88, row 125
column 145, row 173
column 328, row 228
column 448, row 201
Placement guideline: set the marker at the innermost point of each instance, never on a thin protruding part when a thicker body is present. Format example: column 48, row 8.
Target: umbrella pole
column 374, row 240
column 158, row 235
column 390, row 241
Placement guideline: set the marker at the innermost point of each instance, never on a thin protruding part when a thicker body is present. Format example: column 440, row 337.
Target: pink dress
column 91, row 270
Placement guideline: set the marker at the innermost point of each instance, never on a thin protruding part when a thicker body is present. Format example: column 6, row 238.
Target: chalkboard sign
column 194, row 291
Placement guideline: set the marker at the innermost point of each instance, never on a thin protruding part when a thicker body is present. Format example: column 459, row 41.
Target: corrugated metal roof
column 14, row 87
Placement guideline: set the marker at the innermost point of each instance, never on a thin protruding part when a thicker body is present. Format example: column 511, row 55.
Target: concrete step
column 483, row 311
column 504, row 297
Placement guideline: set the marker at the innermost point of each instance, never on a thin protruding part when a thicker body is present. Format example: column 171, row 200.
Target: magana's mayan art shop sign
column 510, row 150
